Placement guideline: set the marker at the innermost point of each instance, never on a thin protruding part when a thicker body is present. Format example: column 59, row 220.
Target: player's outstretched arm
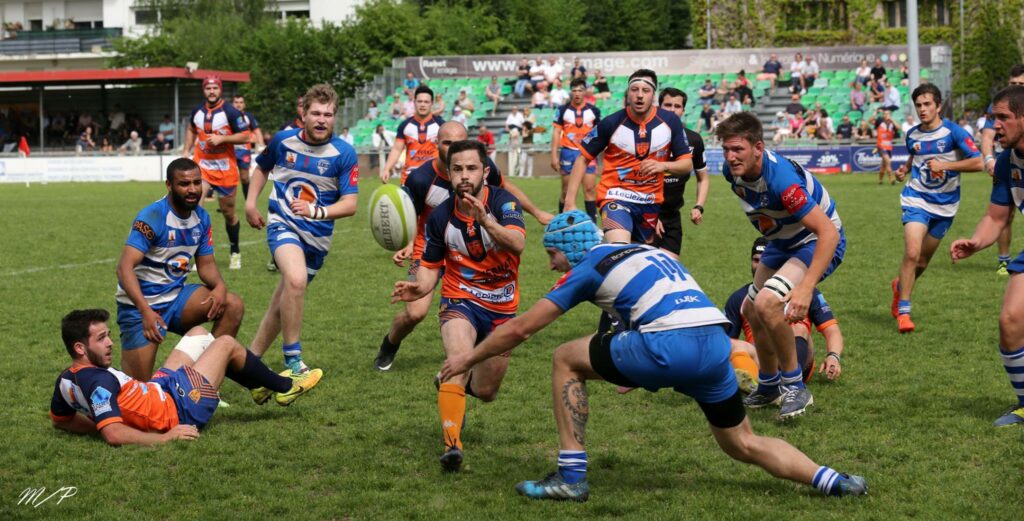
column 257, row 181
column 396, row 152
column 409, row 291
column 556, row 140
column 579, row 167
column 832, row 365
column 151, row 320
column 541, row 216
column 77, row 424
column 988, row 139
column 508, row 239
column 504, row 338
column 824, row 249
column 985, row 233
column 189, row 143
column 703, row 187
column 120, row 434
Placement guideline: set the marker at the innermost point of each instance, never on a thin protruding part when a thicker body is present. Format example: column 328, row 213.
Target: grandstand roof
column 94, row 76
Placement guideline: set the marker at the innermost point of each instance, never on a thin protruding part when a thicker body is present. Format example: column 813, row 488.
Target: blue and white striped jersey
column 638, row 284
column 937, row 193
column 1008, row 185
column 169, row 244
column 779, row 198
column 320, row 174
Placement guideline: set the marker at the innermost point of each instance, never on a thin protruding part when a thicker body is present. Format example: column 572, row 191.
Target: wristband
column 317, row 213
column 836, row 356
column 699, row 208
column 989, row 158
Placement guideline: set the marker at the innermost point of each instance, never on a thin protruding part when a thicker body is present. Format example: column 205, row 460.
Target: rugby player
column 650, row 143
column 988, row 140
column 805, row 244
column 939, row 150
column 243, row 152
column 214, row 127
column 885, row 132
column 671, row 237
column 428, row 186
column 674, row 338
column 477, row 238
column 315, row 182
column 91, row 396
column 166, row 239
column 1007, row 193
column 416, row 136
column 575, row 121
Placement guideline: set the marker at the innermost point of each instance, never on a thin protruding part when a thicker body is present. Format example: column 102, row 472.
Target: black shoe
column 385, row 357
column 451, row 460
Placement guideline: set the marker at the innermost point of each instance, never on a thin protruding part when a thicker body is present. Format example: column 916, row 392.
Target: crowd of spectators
column 86, row 132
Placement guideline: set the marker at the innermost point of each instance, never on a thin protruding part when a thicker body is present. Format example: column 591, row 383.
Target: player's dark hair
column 182, row 164
column 644, row 73
column 577, row 82
column 238, row 96
column 741, row 124
column 320, row 93
column 1014, row 96
column 464, row 145
column 673, row 92
column 74, row 327
column 1016, row 70
column 423, row 89
column 927, row 88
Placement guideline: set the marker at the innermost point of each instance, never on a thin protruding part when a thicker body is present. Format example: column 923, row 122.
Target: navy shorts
column 482, row 319
column 193, row 396
column 638, row 219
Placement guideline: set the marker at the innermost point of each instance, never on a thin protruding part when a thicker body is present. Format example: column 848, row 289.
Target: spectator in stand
column 397, row 107
column 133, row 145
column 85, row 121
column 795, row 107
column 578, row 70
column 732, row 106
column 58, row 128
column 809, row 72
column 782, row 128
column 965, row 124
column 865, row 133
column 796, row 84
column 493, row 93
column 439, row 107
column 160, row 143
column 857, row 97
column 589, row 97
column 410, row 84
column 537, row 71
column 891, row 100
column 167, row 129
column 909, row 122
column 707, row 118
column 706, row 94
column 526, row 150
column 877, row 91
column 346, row 136
column 105, row 145
column 540, row 98
column 722, row 91
column 522, row 78
column 809, row 127
column 863, row 73
column 409, row 106
column 845, row 129
column 553, row 71
column 116, row 119
column 514, row 121
column 825, row 125
column 878, row 71
column 382, row 140
column 85, row 142
column 465, row 102
column 372, row 111
column 904, row 74
column 771, row 70
column 487, row 138
column 558, row 96
column 601, row 89
column 459, row 116
column 796, row 124
column 742, row 89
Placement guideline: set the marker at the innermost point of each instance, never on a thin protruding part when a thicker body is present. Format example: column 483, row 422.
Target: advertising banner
column 83, row 168
column 824, row 160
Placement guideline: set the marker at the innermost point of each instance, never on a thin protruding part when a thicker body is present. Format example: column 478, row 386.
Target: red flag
column 23, row 147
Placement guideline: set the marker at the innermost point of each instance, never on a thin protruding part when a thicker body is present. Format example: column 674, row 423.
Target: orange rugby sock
column 451, row 403
column 742, row 360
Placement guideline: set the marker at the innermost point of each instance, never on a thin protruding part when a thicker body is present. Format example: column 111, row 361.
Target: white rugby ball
column 392, row 217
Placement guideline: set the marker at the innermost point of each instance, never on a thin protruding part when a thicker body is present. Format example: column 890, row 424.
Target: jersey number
column 666, row 266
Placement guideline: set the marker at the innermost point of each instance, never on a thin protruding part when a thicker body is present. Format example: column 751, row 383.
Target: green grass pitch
column 911, row 413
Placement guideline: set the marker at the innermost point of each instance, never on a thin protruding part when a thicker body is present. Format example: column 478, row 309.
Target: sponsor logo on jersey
column 322, row 166
column 145, row 229
column 100, row 401
column 290, row 158
column 794, row 198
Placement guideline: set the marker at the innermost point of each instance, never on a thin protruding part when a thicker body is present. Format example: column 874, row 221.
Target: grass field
column 911, row 413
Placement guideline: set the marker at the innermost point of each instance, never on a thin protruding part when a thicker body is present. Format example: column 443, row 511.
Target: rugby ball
column 392, row 217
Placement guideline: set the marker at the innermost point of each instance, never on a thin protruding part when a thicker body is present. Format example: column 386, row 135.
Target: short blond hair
column 320, row 93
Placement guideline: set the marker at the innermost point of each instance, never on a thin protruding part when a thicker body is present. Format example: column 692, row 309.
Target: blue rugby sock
column 904, row 307
column 292, row 352
column 1004, row 258
column 826, row 480
column 572, row 466
column 1013, row 362
column 794, row 378
column 768, row 383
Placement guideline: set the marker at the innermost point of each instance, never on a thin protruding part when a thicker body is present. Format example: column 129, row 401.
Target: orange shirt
column 109, row 396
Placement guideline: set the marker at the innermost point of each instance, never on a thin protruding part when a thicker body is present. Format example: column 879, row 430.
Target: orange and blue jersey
column 217, row 163
column 428, row 187
column 475, row 268
column 627, row 143
column 886, row 131
column 576, row 123
column 243, row 152
column 108, row 396
column 420, row 138
column 819, row 315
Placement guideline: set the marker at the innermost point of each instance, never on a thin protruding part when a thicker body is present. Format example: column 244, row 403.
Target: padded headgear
column 213, row 80
column 572, row 233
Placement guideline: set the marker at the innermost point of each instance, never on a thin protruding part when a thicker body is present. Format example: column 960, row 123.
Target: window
column 808, row 15
column 35, row 25
column 896, row 14
column 304, row 15
column 146, row 17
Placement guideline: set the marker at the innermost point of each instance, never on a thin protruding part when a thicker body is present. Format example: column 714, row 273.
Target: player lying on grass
column 674, row 338
column 91, row 396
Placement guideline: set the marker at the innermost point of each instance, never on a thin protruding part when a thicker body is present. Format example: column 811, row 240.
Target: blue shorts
column 224, row 191
column 129, row 319
column 243, row 156
column 193, row 395
column 937, row 226
column 774, row 257
column 1017, row 264
column 638, row 219
column 279, row 234
column 693, row 361
column 482, row 319
column 566, row 158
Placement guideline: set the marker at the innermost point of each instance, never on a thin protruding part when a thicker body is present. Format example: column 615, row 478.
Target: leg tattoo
column 574, row 397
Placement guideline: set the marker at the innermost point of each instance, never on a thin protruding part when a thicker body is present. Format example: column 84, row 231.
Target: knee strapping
column 779, row 285
column 194, row 345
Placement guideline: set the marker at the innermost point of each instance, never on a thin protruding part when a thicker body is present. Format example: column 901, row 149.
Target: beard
column 467, row 188
column 180, row 201
column 96, row 359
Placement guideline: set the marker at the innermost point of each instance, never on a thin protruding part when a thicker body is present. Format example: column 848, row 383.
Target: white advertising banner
column 83, row 168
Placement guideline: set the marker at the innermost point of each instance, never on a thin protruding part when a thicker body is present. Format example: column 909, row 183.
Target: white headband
column 643, row 79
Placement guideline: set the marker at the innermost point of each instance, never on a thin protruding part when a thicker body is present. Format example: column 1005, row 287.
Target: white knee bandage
column 779, row 285
column 752, row 291
column 194, row 345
